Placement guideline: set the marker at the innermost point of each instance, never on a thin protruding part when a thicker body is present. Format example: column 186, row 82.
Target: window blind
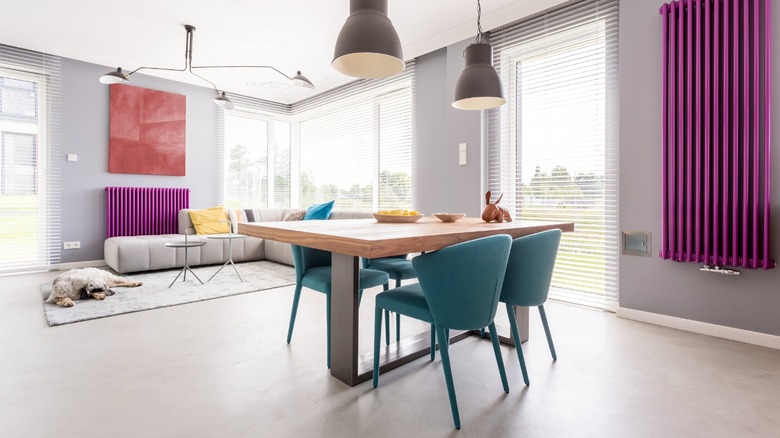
column 552, row 149
column 355, row 144
column 256, row 160
column 29, row 159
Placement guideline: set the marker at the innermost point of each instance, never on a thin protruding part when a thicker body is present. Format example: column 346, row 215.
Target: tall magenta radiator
column 135, row 211
column 716, row 136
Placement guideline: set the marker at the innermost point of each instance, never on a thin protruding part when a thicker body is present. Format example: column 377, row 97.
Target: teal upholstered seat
column 527, row 282
column 313, row 270
column 459, row 289
column 398, row 268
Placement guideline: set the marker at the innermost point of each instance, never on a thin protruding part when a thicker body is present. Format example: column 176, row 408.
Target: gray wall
column 750, row 301
column 85, row 132
column 440, row 184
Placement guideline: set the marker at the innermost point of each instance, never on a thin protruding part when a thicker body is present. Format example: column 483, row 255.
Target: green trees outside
column 395, row 191
column 557, row 195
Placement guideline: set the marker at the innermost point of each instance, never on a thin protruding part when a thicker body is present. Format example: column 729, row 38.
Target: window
column 29, row 138
column 246, row 160
column 18, row 164
column 352, row 144
column 256, row 160
column 552, row 149
column 356, row 145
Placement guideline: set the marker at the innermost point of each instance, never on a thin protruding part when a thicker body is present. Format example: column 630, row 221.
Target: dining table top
column 371, row 239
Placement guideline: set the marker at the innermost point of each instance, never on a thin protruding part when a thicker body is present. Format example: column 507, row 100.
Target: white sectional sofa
column 148, row 253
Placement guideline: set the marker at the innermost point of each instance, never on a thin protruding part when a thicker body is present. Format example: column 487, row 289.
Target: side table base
column 229, row 262
column 184, row 270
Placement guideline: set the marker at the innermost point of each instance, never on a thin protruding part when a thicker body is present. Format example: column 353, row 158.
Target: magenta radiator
column 716, row 132
column 135, row 211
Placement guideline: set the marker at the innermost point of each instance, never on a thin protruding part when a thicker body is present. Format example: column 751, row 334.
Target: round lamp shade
column 113, row 77
column 300, row 80
column 368, row 45
column 223, row 102
column 479, row 86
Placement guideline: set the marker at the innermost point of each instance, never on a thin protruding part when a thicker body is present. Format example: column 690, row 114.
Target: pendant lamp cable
column 480, row 34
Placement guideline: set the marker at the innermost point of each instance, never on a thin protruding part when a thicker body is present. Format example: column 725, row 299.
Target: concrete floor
column 221, row 368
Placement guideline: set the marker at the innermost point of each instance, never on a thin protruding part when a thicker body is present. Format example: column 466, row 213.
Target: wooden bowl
column 396, row 218
column 449, row 217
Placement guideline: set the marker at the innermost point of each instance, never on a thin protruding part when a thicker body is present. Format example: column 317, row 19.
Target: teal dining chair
column 459, row 289
column 527, row 282
column 398, row 268
column 313, row 270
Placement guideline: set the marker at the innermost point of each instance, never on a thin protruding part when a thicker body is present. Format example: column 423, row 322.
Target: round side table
column 186, row 245
column 229, row 237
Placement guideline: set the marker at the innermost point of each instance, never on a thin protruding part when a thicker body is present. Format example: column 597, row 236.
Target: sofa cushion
column 210, row 221
column 319, row 211
column 236, row 216
column 295, row 214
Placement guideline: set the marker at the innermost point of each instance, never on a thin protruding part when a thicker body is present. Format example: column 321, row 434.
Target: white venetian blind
column 29, row 159
column 256, row 154
column 355, row 144
column 552, row 149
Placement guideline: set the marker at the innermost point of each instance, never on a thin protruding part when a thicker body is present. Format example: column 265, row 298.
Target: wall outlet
column 71, row 245
column 72, row 157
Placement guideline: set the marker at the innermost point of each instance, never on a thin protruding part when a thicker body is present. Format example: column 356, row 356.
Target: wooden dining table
column 350, row 239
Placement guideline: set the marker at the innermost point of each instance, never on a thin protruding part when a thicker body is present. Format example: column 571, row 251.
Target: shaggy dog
column 82, row 283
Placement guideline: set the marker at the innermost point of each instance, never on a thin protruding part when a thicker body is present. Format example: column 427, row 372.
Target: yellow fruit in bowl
column 399, row 212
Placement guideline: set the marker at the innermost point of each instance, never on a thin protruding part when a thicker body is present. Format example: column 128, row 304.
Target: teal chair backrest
column 462, row 283
column 530, row 269
column 305, row 258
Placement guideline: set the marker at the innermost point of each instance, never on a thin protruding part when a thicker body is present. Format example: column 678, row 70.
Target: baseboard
column 77, row 265
column 704, row 328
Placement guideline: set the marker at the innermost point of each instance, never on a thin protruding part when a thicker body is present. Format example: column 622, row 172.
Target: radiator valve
column 719, row 270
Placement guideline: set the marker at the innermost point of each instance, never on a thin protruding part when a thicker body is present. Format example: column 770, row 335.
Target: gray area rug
column 155, row 294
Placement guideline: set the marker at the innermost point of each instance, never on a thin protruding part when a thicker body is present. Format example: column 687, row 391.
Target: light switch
column 73, row 157
column 462, row 154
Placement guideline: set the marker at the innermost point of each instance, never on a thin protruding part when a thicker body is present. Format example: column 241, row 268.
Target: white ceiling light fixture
column 479, row 86
column 118, row 76
column 368, row 45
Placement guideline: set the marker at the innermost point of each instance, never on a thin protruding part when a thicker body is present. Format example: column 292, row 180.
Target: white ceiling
column 288, row 34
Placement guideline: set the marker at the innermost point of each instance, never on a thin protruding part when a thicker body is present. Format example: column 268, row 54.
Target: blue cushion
column 319, row 211
column 406, row 300
column 319, row 279
column 398, row 268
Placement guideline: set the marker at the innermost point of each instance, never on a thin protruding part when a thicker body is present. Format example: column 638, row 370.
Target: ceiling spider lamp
column 368, row 45
column 118, row 76
column 479, row 86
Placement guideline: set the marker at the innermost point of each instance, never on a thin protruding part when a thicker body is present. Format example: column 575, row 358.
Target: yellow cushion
column 210, row 221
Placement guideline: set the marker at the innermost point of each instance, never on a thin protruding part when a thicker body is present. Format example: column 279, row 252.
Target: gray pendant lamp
column 368, row 45
column 479, row 86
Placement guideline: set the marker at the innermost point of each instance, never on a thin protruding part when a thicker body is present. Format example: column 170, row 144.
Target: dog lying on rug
column 78, row 284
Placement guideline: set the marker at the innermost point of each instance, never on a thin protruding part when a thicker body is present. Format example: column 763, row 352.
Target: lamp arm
column 201, row 77
column 187, row 55
column 243, row 66
column 158, row 68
